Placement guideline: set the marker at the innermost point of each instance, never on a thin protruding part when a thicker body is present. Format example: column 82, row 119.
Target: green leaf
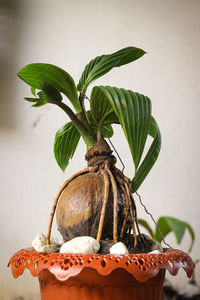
column 100, row 65
column 41, row 95
column 169, row 224
column 147, row 227
column 134, row 112
column 38, row 101
column 107, row 130
column 33, row 91
column 150, row 157
column 50, row 92
column 101, row 110
column 32, row 99
column 36, row 74
column 66, row 141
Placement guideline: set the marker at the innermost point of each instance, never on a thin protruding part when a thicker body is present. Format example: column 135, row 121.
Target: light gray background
column 69, row 34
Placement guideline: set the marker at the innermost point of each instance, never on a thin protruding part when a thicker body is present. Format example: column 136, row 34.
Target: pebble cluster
column 83, row 245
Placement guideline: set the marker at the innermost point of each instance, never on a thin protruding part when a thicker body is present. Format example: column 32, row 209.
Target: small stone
column 119, row 248
column 81, row 244
column 155, row 252
column 48, row 249
column 39, row 241
column 39, row 244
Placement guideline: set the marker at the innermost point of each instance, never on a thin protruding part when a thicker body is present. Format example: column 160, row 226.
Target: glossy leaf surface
column 100, row 65
column 66, row 141
column 178, row 227
column 101, row 109
column 36, row 74
column 134, row 112
column 107, row 130
column 150, row 157
column 50, row 92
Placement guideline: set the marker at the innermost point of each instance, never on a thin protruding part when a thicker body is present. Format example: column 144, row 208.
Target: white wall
column 69, row 34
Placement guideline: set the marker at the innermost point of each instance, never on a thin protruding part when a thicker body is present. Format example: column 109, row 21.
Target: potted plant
column 98, row 201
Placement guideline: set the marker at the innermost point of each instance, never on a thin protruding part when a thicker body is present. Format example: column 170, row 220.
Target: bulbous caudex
column 96, row 201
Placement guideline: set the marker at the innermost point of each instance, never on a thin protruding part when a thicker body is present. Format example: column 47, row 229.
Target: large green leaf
column 107, row 130
column 36, row 74
column 134, row 112
column 66, row 141
column 101, row 108
column 100, row 65
column 150, row 157
column 169, row 224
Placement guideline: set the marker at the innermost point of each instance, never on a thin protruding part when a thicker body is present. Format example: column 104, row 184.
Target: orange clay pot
column 100, row 277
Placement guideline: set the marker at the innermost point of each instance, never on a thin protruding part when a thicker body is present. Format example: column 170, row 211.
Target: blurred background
column 69, row 34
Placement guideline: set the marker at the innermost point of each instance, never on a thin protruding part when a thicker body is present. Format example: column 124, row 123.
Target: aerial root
column 136, row 221
column 132, row 211
column 120, row 175
column 105, row 200
column 115, row 198
column 84, row 171
column 126, row 210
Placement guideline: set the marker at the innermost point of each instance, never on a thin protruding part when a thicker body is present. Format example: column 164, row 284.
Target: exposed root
column 84, row 171
column 126, row 210
column 136, row 221
column 115, row 198
column 105, row 200
column 132, row 211
column 114, row 180
column 122, row 176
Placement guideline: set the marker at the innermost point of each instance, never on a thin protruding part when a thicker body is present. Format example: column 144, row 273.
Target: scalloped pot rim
column 64, row 266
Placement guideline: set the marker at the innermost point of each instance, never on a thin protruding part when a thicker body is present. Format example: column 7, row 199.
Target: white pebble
column 39, row 241
column 119, row 248
column 48, row 249
column 81, row 244
column 155, row 252
column 39, row 244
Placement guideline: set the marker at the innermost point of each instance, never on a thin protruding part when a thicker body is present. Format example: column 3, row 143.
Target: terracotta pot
column 100, row 277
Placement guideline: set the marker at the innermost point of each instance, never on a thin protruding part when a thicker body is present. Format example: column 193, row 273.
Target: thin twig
column 123, row 166
column 86, row 97
column 153, row 220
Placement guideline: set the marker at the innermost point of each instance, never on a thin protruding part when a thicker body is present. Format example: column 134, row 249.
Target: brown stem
column 132, row 211
column 103, row 210
column 115, row 198
column 126, row 210
column 84, row 171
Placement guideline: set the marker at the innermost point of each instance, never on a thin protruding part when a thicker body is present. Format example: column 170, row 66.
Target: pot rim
column 142, row 266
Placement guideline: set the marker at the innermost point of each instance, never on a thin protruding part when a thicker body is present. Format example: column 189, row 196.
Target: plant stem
column 89, row 137
column 99, row 131
column 83, row 115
